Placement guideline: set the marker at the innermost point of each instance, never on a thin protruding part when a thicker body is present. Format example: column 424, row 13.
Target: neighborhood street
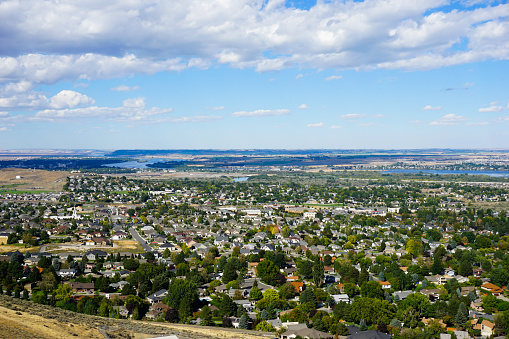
column 138, row 238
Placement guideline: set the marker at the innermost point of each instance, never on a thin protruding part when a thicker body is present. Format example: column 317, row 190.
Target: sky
column 243, row 74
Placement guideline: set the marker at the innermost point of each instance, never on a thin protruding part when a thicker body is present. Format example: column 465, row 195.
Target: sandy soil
column 32, row 179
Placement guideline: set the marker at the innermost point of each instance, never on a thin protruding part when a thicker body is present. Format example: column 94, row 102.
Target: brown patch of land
column 19, row 179
column 24, row 319
column 13, row 248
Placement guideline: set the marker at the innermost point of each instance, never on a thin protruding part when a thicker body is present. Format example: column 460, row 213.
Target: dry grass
column 22, row 249
column 32, row 180
column 20, row 324
column 495, row 206
column 24, row 319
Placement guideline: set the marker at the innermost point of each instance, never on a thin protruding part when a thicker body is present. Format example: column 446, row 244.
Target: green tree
column 307, row 296
column 265, row 327
column 461, row 316
column 437, row 266
column 372, row 289
column 318, row 272
column 229, row 272
column 228, row 306
column 206, row 316
column 287, row 291
column 243, row 322
column 350, row 289
column 267, row 272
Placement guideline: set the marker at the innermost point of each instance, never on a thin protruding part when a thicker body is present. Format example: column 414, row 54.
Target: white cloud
column 49, row 69
column 333, row 77
column 78, row 39
column 431, row 108
column 378, row 116
column 19, row 98
column 477, row 123
column 366, row 124
column 298, row 76
column 449, row 119
column 316, row 125
column 18, row 87
column 352, row 116
column 217, row 108
column 335, row 127
column 124, row 88
column 134, row 102
column 4, row 129
column 491, row 109
column 303, row 106
column 416, row 122
column 262, row 113
column 70, row 99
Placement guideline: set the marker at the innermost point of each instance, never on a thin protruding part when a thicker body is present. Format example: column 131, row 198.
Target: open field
column 495, row 205
column 20, row 247
column 130, row 246
column 24, row 319
column 31, row 180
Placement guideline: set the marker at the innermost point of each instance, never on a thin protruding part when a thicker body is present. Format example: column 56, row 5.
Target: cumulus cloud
column 69, row 99
column 262, row 113
column 303, row 106
column 352, row 116
column 431, row 108
column 98, row 41
column 491, row 109
column 134, row 102
column 124, row 88
column 449, row 119
column 21, row 97
column 316, row 125
column 333, row 77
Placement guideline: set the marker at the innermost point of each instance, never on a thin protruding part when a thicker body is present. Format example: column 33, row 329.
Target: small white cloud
column 124, row 88
column 4, row 114
column 70, row 99
column 416, row 122
column 317, row 125
column 366, row 124
column 262, row 113
column 134, row 103
column 352, row 116
column 217, row 108
column 468, row 84
column 448, row 119
column 335, row 127
column 334, row 77
column 4, row 129
column 303, row 106
column 378, row 116
column 491, row 109
column 431, row 108
column 299, row 76
column 477, row 123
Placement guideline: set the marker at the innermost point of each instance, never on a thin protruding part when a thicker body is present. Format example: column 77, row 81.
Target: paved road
column 138, row 238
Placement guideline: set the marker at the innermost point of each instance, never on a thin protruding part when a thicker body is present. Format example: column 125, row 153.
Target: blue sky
column 254, row 74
